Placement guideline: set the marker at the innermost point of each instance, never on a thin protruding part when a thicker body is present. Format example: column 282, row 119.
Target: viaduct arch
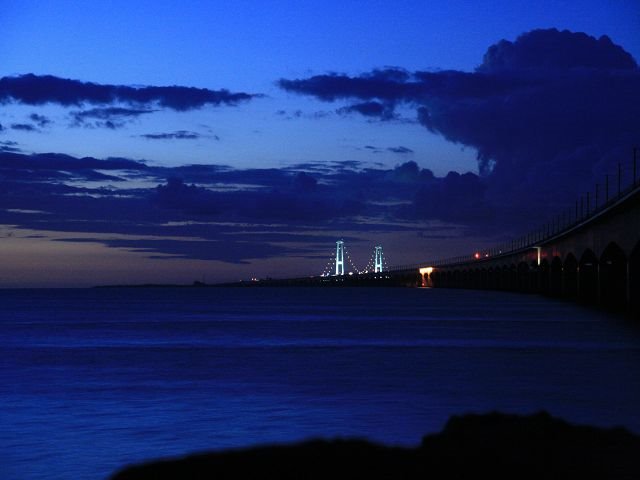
column 595, row 261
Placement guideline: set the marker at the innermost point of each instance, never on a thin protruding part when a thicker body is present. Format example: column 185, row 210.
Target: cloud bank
column 257, row 213
column 33, row 89
column 107, row 117
column 547, row 113
column 179, row 135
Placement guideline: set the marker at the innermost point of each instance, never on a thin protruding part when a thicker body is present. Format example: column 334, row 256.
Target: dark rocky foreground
column 493, row 446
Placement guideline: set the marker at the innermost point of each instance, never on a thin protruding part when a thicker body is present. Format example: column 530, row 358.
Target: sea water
column 92, row 380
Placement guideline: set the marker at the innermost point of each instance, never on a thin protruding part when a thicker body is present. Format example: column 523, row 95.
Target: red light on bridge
column 476, row 255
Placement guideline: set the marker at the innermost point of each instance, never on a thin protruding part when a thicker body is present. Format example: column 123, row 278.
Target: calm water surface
column 91, row 380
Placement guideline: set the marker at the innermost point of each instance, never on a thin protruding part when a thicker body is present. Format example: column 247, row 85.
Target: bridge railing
column 613, row 187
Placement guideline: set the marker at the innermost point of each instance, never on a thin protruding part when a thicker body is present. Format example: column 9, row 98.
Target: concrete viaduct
column 594, row 259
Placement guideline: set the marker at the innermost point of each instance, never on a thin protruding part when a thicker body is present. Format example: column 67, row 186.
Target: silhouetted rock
column 494, row 446
column 527, row 447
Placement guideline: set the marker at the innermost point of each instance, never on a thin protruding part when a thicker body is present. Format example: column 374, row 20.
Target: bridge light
column 476, row 255
column 539, row 249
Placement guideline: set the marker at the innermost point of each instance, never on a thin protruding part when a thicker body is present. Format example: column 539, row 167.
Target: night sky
column 170, row 142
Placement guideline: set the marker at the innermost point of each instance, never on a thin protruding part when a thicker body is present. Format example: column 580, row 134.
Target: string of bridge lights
column 330, row 266
column 374, row 263
column 353, row 267
column 371, row 263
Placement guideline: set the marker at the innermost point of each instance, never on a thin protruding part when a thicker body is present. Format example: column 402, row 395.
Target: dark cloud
column 400, row 149
column 346, row 164
column 410, row 172
column 304, row 181
column 58, row 162
column 548, row 113
column 300, row 196
column 24, row 127
column 200, row 206
column 551, row 49
column 253, row 213
column 40, row 120
column 300, row 202
column 458, row 198
column 333, row 87
column 177, row 195
column 370, row 109
column 389, row 84
column 33, row 89
column 300, row 114
column 111, row 112
column 109, row 117
column 10, row 147
column 324, row 197
column 179, row 135
column 320, row 168
column 289, row 115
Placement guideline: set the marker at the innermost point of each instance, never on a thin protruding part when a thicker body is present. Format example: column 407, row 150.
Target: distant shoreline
column 317, row 281
column 163, row 285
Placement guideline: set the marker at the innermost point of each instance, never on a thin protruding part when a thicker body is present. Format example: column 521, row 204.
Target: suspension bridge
column 377, row 262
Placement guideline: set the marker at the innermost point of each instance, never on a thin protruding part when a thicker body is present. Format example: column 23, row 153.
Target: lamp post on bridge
column 619, row 178
column 635, row 157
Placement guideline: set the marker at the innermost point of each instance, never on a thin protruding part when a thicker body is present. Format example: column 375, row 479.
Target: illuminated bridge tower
column 378, row 262
column 339, row 257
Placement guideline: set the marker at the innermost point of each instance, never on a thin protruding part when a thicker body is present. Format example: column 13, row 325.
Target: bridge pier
column 628, row 292
column 544, row 277
column 570, row 287
column 614, row 279
column 598, row 285
column 589, row 278
column 634, row 281
column 555, row 277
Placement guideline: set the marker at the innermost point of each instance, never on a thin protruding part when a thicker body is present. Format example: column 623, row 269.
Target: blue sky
column 248, row 47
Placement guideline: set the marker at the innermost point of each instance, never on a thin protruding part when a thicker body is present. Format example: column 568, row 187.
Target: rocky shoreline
column 495, row 446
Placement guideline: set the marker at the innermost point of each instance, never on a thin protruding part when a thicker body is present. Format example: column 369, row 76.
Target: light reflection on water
column 94, row 379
